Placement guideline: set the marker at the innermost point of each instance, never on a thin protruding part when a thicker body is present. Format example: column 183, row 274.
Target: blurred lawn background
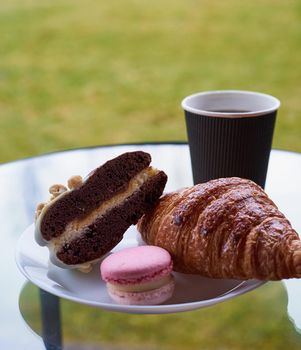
column 256, row 320
column 79, row 73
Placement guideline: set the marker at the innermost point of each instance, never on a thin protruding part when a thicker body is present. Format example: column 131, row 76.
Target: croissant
column 225, row 228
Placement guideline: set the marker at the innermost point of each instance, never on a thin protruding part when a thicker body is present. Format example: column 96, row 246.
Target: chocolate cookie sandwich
column 83, row 222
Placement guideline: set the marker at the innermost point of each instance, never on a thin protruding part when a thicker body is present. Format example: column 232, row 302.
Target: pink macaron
column 139, row 276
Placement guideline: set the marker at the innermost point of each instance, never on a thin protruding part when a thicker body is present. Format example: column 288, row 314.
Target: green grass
column 78, row 73
column 256, row 320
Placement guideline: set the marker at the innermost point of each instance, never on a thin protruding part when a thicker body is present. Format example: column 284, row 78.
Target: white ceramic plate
column 191, row 292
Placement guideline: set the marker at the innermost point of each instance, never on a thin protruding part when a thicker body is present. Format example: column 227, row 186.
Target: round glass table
column 268, row 317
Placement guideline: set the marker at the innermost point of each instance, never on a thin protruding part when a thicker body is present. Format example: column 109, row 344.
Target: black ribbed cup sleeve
column 224, row 147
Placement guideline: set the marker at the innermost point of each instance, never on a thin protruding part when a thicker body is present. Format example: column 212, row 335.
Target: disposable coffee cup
column 230, row 133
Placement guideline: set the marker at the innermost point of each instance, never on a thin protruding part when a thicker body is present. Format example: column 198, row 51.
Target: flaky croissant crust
column 225, row 228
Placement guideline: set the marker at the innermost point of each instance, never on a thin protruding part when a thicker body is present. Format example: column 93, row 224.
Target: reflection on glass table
column 268, row 317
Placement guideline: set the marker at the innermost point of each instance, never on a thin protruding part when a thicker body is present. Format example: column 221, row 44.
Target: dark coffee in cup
column 231, row 111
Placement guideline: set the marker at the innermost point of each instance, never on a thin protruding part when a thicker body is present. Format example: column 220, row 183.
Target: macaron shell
column 134, row 264
column 152, row 297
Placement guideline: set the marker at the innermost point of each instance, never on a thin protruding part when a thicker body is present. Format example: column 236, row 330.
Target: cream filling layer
column 74, row 229
column 140, row 287
column 38, row 236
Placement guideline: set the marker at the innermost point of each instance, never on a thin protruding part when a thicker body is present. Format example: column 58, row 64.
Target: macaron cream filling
column 139, row 287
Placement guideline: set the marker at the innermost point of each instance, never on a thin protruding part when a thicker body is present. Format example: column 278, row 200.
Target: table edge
column 146, row 143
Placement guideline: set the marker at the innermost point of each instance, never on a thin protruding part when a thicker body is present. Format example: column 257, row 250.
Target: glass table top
column 268, row 317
